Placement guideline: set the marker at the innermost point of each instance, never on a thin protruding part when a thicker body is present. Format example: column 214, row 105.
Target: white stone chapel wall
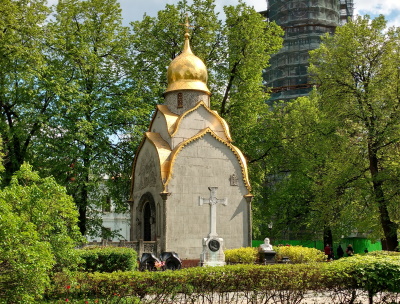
column 204, row 163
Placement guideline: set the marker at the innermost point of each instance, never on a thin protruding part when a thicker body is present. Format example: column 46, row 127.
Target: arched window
column 146, row 218
column 147, row 221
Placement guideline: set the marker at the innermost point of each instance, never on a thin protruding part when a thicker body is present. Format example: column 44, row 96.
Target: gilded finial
column 186, row 25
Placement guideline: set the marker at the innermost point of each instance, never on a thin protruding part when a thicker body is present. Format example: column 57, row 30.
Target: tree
column 299, row 147
column 357, row 73
column 240, row 95
column 88, row 142
column 28, row 82
column 67, row 96
column 38, row 232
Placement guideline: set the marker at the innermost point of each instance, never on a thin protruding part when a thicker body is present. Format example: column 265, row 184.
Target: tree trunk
column 13, row 158
column 389, row 228
column 328, row 239
column 81, row 200
column 83, row 195
column 82, row 218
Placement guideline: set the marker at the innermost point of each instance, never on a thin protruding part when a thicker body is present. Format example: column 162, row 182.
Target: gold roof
column 187, row 71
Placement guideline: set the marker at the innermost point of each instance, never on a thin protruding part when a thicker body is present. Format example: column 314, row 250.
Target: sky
column 134, row 9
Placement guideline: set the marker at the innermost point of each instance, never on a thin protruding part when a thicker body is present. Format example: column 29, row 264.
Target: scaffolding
column 304, row 21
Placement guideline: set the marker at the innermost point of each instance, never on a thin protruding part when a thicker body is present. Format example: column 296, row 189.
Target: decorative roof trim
column 163, row 151
column 202, row 133
column 134, row 166
column 243, row 161
column 214, row 113
column 169, row 117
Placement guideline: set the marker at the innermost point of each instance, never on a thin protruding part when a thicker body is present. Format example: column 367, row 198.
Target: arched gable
column 239, row 156
column 217, row 122
column 171, row 125
column 168, row 120
column 150, row 162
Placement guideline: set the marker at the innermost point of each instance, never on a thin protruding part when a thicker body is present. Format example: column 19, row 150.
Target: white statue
column 266, row 246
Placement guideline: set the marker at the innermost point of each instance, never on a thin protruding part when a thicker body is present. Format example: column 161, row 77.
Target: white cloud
column 374, row 7
column 395, row 21
column 389, row 8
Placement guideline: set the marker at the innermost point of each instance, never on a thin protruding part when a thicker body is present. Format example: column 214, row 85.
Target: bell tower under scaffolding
column 304, row 21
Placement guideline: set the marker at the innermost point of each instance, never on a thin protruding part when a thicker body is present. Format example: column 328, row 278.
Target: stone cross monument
column 213, row 253
column 213, row 201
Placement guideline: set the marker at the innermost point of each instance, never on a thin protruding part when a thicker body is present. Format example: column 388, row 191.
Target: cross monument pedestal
column 213, row 246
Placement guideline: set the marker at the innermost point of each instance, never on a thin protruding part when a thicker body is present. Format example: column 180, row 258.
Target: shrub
column 25, row 261
column 245, row 255
column 38, row 233
column 197, row 284
column 108, row 259
column 299, row 254
column 372, row 273
column 384, row 253
column 279, row 283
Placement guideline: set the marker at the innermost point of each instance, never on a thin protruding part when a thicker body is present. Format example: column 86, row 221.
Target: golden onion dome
column 187, row 71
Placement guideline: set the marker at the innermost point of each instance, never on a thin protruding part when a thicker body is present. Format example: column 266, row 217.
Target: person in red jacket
column 328, row 252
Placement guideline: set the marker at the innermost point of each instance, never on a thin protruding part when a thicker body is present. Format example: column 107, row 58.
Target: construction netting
column 304, row 21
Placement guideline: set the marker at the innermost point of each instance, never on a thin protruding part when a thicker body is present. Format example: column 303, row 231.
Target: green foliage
column 89, row 137
column 68, row 98
column 25, row 261
column 200, row 283
column 384, row 253
column 27, row 83
column 245, row 255
column 38, row 233
column 357, row 73
column 108, row 259
column 287, row 283
column 294, row 160
column 332, row 160
column 299, row 254
column 371, row 273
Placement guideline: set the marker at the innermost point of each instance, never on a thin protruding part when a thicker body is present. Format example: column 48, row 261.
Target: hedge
column 108, row 259
column 296, row 254
column 244, row 255
column 279, row 283
column 299, row 254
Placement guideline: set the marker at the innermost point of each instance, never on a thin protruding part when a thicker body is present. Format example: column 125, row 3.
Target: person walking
column 328, row 250
column 350, row 250
column 340, row 251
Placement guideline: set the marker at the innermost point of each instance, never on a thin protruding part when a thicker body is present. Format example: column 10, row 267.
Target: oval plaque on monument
column 214, row 245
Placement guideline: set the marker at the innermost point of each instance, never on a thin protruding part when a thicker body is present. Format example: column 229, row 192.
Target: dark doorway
column 147, row 222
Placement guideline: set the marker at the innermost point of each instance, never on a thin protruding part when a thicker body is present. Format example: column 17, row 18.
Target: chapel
column 188, row 149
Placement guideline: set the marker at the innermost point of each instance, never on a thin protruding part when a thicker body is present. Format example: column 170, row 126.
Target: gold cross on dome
column 187, row 24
